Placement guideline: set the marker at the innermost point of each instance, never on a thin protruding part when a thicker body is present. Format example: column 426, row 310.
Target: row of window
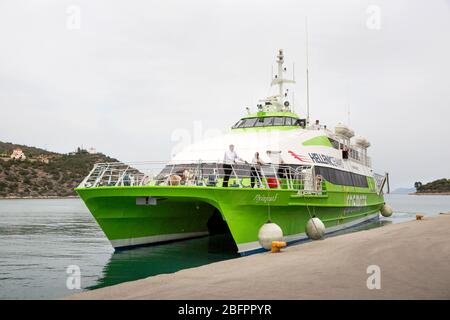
column 343, row 178
column 354, row 154
column 335, row 143
column 269, row 122
column 334, row 176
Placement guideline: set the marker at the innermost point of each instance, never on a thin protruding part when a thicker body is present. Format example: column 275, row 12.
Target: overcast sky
column 130, row 77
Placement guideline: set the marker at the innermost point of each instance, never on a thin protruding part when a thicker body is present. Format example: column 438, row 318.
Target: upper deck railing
column 380, row 181
column 361, row 159
column 206, row 174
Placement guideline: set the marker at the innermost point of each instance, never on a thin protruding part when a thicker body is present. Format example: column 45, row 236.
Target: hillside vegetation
column 57, row 178
column 437, row 186
column 6, row 148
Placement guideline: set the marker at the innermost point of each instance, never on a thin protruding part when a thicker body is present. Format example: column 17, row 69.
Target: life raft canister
column 273, row 183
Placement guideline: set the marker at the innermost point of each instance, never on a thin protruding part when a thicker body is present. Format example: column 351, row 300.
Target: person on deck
column 319, row 183
column 316, row 126
column 282, row 168
column 278, row 162
column 256, row 169
column 229, row 159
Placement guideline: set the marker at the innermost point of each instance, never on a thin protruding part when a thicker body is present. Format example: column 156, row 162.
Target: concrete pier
column 413, row 260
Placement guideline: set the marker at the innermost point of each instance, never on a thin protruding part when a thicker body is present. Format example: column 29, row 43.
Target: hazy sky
column 130, row 77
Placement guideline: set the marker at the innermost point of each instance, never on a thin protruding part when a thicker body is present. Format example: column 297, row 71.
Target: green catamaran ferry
column 305, row 171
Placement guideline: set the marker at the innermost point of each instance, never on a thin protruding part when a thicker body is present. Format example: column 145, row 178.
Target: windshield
column 268, row 122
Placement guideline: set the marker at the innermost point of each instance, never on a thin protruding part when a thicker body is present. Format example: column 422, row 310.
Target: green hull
column 182, row 212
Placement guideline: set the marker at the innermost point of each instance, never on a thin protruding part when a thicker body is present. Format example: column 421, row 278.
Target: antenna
column 348, row 103
column 293, row 102
column 307, row 73
column 280, row 62
column 293, row 71
column 293, row 92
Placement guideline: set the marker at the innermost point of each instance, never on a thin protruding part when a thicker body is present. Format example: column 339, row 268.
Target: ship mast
column 280, row 62
column 307, row 73
column 278, row 100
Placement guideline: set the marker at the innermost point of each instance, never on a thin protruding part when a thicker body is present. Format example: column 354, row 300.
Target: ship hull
column 181, row 212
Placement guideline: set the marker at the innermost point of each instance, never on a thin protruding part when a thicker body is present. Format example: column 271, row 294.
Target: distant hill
column 440, row 186
column 34, row 177
column 403, row 190
column 8, row 147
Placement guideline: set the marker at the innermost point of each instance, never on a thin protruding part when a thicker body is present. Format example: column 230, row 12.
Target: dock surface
column 413, row 259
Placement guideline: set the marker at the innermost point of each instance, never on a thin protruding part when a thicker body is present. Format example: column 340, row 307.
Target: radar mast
column 278, row 102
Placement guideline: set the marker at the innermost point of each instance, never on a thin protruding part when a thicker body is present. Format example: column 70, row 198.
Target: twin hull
column 181, row 212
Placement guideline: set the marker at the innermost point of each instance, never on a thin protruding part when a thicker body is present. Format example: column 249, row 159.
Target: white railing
column 364, row 160
column 380, row 180
column 207, row 174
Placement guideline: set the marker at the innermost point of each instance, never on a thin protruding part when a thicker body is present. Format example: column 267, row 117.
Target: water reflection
column 366, row 226
column 40, row 238
column 144, row 262
column 139, row 263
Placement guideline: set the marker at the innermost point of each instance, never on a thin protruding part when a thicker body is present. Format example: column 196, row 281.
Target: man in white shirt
column 316, row 126
column 255, row 171
column 229, row 159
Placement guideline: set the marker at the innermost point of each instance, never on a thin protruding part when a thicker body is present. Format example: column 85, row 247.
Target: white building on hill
column 18, row 154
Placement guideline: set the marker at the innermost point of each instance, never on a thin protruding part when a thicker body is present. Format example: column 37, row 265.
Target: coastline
column 413, row 259
column 430, row 193
column 37, row 198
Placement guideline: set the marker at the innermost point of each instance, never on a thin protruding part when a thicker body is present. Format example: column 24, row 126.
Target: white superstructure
column 275, row 129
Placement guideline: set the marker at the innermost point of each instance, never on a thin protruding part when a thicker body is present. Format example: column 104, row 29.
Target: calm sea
column 39, row 239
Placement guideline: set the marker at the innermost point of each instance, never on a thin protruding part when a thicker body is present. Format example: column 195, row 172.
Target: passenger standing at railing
column 316, row 126
column 256, row 168
column 229, row 159
column 282, row 169
column 126, row 180
column 318, row 183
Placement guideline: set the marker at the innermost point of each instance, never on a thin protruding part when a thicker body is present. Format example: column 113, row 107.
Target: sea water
column 40, row 239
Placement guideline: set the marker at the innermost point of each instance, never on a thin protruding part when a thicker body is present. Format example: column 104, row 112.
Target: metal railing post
column 88, row 176
column 235, row 175
column 121, row 177
column 100, row 176
column 258, row 175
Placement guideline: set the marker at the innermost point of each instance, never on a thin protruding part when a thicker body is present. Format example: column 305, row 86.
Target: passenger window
column 343, row 178
column 251, row 122
column 334, row 143
column 246, row 123
column 243, row 124
column 264, row 122
column 288, row 121
column 238, row 123
column 278, row 121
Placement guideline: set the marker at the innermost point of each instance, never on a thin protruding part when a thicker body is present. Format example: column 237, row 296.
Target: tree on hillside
column 417, row 185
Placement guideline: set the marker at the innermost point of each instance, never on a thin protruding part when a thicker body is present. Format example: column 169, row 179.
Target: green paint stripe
column 318, row 141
